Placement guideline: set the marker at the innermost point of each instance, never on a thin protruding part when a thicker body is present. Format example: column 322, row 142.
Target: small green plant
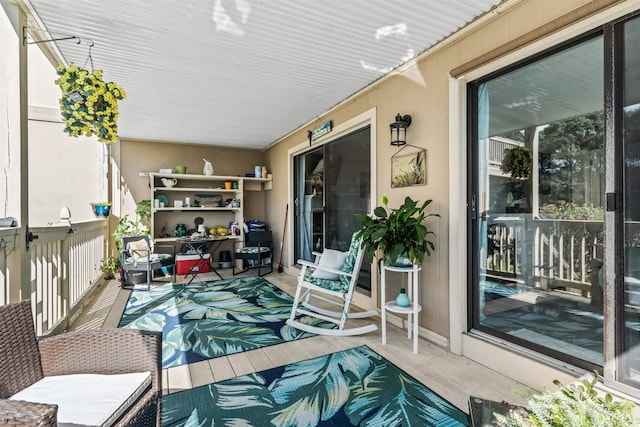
column 573, row 406
column 397, row 231
column 110, row 265
column 127, row 227
column 133, row 227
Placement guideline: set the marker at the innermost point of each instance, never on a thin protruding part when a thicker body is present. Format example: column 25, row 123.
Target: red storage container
column 184, row 264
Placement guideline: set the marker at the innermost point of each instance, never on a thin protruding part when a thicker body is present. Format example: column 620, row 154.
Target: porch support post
column 14, row 173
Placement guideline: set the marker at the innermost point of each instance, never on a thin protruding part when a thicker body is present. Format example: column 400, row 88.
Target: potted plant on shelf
column 101, row 208
column 399, row 234
column 88, row 104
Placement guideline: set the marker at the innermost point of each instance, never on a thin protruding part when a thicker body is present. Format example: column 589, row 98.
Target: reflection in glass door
column 347, row 192
column 309, row 203
column 332, row 184
column 538, row 153
column 628, row 307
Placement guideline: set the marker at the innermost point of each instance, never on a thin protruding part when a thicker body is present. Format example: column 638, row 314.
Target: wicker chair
column 24, row 361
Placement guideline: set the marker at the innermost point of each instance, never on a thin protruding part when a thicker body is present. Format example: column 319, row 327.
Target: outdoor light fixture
column 399, row 130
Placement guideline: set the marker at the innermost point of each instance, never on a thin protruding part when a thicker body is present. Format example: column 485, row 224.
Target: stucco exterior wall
column 421, row 89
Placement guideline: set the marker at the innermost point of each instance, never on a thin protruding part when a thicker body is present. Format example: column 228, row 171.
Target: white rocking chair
column 337, row 290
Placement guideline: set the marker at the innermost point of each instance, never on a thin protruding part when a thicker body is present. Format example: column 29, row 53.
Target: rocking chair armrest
column 23, row 413
column 306, row 263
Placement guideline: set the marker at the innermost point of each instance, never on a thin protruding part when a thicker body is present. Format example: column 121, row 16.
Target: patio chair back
column 19, row 353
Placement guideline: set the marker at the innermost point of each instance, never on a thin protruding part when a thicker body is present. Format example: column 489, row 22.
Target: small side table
column 202, row 246
column 411, row 311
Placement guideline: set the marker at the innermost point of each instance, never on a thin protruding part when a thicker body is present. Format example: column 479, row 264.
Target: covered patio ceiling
column 242, row 73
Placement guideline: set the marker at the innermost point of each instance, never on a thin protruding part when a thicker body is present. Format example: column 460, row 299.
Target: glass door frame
column 614, row 251
column 478, row 346
column 364, row 300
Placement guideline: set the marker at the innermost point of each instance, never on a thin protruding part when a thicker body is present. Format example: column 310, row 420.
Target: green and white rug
column 206, row 320
column 354, row 387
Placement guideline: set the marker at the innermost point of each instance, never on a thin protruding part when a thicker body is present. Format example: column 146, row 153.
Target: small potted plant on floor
column 127, row 227
column 101, row 208
column 111, row 266
column 400, row 234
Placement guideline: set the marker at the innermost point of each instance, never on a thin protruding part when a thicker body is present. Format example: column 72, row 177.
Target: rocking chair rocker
column 323, row 281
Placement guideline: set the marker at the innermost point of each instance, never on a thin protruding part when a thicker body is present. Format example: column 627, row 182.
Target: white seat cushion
column 332, row 259
column 88, row 399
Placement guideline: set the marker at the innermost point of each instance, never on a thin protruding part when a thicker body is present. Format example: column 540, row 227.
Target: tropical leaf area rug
column 206, row 320
column 351, row 387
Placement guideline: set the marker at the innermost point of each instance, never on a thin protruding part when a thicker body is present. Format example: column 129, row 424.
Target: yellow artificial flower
column 95, row 114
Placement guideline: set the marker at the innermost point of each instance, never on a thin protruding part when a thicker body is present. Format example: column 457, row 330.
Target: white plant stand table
column 411, row 311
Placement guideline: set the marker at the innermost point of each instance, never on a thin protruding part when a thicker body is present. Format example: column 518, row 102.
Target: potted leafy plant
column 111, row 266
column 573, row 405
column 127, row 227
column 400, row 234
column 133, row 227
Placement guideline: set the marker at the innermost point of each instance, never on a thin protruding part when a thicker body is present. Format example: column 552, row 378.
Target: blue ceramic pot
column 101, row 210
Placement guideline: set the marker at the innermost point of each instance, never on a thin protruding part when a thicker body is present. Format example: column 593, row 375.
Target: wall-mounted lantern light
column 399, row 130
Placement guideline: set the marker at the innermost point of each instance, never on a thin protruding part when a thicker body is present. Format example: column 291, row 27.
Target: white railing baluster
column 572, row 254
column 559, row 254
column 561, row 263
column 65, row 261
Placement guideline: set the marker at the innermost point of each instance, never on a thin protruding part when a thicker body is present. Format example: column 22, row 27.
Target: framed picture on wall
column 409, row 168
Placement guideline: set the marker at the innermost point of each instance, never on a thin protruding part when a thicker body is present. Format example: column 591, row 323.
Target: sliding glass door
column 309, row 203
column 555, row 203
column 332, row 184
column 538, row 155
column 628, row 311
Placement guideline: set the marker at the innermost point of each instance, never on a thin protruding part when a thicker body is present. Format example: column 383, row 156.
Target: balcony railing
column 65, row 266
column 543, row 253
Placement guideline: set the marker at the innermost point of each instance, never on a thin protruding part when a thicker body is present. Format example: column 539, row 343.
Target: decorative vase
column 208, row 168
column 402, row 300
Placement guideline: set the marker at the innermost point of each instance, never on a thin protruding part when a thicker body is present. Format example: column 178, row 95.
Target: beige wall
column 421, row 90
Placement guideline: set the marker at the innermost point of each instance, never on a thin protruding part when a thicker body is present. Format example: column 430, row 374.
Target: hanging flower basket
column 89, row 106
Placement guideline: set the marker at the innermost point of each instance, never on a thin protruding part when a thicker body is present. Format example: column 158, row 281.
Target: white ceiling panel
column 244, row 72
